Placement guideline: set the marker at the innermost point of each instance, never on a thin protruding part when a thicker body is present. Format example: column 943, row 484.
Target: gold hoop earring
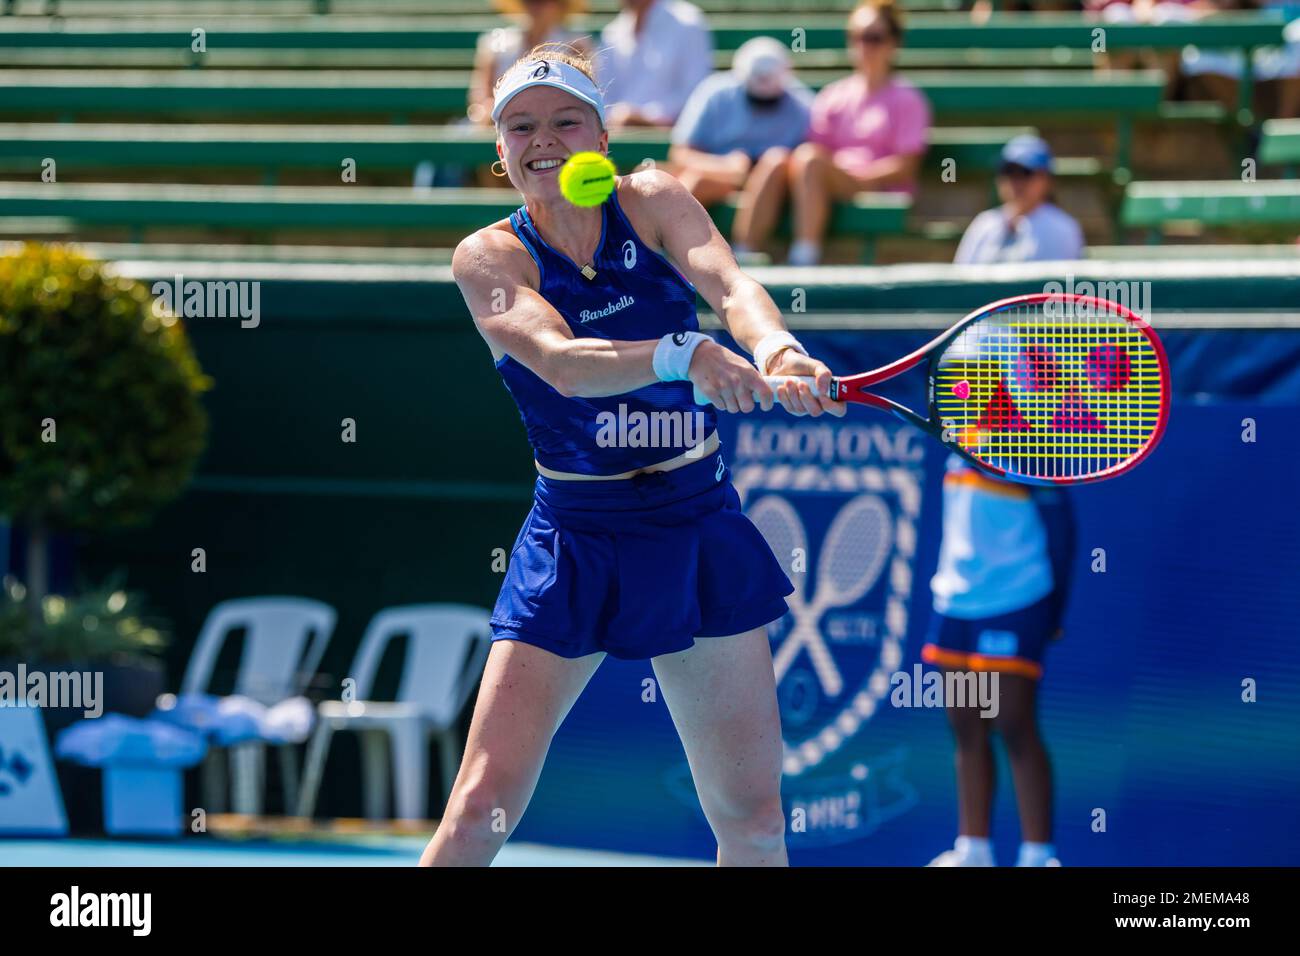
column 494, row 169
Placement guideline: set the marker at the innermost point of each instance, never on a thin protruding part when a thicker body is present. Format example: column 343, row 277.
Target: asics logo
column 717, row 475
column 543, row 68
column 679, row 338
column 629, row 254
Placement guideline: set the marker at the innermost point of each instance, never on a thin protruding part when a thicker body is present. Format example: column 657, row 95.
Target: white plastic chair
column 446, row 649
column 285, row 638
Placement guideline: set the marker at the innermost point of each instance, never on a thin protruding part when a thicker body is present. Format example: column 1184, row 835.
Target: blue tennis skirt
column 638, row 567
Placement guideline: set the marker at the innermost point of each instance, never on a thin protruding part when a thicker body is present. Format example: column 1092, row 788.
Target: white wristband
column 772, row 343
column 672, row 361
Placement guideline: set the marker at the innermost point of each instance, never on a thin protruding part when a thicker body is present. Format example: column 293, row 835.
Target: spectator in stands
column 981, row 10
column 1028, row 226
column 537, row 22
column 1148, row 11
column 1218, row 72
column 868, row 132
column 736, row 135
column 652, row 57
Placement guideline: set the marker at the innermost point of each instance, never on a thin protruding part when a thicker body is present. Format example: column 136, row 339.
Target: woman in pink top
column 868, row 131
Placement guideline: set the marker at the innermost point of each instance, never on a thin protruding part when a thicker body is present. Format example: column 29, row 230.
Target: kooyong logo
column 839, row 508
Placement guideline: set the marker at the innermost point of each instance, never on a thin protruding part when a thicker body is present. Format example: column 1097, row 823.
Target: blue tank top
column 635, row 294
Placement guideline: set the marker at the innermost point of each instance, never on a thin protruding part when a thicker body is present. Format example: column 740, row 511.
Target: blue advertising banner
column 1170, row 707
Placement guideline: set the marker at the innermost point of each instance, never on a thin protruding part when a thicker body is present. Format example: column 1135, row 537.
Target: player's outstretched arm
column 686, row 232
column 515, row 320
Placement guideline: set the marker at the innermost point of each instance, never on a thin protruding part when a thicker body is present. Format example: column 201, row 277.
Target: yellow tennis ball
column 587, row 179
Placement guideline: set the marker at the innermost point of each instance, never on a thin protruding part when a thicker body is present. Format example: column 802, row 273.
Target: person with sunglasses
column 533, row 22
column 1028, row 226
column 868, row 131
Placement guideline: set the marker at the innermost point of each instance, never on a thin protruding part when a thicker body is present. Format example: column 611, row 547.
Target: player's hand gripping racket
column 1038, row 389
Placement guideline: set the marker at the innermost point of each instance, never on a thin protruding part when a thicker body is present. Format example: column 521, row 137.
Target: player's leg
column 721, row 694
column 976, row 769
column 1015, row 644
column 762, row 199
column 976, row 773
column 525, row 694
column 948, row 645
column 1031, row 768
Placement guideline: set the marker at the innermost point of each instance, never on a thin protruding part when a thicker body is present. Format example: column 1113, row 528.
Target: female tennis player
column 633, row 548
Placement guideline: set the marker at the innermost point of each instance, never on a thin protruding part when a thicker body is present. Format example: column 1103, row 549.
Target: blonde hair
column 560, row 53
column 889, row 13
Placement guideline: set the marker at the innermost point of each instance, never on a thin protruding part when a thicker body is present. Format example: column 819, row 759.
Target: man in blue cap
column 1028, row 226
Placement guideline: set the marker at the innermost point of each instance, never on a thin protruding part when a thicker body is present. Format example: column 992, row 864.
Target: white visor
column 554, row 73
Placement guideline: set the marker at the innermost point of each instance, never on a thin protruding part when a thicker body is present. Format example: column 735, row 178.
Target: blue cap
column 1030, row 152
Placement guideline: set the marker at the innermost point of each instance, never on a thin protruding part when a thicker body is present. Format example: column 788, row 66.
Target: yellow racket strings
column 1057, row 389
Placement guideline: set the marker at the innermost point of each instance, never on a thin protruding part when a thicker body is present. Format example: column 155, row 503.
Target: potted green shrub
column 101, row 630
column 100, row 418
column 101, row 424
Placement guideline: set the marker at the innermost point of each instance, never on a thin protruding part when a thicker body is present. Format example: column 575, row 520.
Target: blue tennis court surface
column 362, row 851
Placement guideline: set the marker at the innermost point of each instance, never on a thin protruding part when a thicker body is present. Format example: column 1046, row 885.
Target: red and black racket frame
column 854, row 387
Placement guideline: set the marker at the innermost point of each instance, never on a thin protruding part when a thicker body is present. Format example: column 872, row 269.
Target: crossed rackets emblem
column 852, row 557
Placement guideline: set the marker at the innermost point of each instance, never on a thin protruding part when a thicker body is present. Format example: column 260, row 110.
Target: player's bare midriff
column 688, row 457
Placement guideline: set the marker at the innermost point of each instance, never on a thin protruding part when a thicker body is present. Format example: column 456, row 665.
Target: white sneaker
column 1037, row 854
column 803, row 253
column 957, row 858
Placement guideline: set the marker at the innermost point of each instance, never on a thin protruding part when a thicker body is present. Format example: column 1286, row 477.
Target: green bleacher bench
column 72, row 8
column 820, row 31
column 76, row 58
column 63, row 94
column 1198, row 111
column 250, row 252
column 23, row 147
column 1117, row 97
column 444, row 212
column 991, row 93
column 1279, row 142
column 1215, row 252
column 1154, row 205
column 33, row 227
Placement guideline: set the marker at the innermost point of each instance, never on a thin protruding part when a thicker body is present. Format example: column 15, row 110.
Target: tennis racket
column 1047, row 389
